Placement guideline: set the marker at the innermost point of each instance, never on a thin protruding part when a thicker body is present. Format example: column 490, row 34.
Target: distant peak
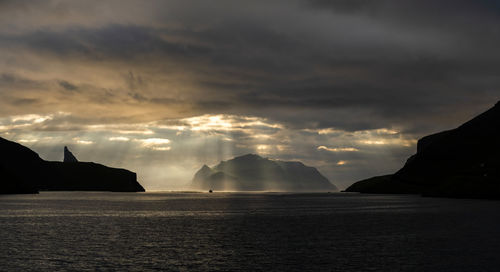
column 249, row 156
column 205, row 167
column 68, row 156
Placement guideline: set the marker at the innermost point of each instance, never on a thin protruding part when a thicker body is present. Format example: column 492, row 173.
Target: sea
column 183, row 231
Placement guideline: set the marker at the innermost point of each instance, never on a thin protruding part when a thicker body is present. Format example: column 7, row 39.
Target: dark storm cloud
column 415, row 66
column 253, row 68
column 9, row 80
column 68, row 86
column 251, row 50
column 25, row 102
column 111, row 42
column 423, row 9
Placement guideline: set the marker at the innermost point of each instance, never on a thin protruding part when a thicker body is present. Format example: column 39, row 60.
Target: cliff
column 23, row 171
column 462, row 162
column 19, row 165
column 254, row 173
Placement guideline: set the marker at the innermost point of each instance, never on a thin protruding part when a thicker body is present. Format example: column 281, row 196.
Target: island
column 252, row 172
column 462, row 163
column 23, row 171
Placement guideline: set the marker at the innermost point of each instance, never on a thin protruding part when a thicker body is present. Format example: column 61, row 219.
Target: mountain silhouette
column 23, row 171
column 462, row 162
column 17, row 164
column 253, row 173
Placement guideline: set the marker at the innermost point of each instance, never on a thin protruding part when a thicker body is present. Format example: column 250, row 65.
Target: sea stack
column 68, row 156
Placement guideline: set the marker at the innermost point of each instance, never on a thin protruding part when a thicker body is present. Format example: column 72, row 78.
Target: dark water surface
column 246, row 232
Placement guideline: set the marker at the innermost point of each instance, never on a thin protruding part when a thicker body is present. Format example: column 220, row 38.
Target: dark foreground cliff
column 23, row 171
column 463, row 162
column 254, row 173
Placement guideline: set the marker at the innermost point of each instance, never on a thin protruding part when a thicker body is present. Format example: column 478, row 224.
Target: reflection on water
column 246, row 232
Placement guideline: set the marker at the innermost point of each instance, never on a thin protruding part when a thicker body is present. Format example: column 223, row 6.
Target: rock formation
column 254, row 173
column 462, row 162
column 68, row 156
column 23, row 171
column 18, row 164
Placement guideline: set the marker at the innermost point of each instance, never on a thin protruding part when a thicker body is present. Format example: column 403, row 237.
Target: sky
column 163, row 87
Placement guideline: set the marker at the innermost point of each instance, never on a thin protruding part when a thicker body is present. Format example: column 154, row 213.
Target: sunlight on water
column 246, row 232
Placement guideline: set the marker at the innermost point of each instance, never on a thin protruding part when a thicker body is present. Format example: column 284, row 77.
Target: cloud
column 340, row 163
column 312, row 80
column 158, row 144
column 82, row 141
column 120, row 139
column 67, row 86
column 338, row 149
column 285, row 74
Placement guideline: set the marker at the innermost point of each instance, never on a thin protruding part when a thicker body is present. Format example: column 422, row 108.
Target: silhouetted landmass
column 254, row 173
column 463, row 162
column 17, row 163
column 383, row 185
column 11, row 184
column 23, row 171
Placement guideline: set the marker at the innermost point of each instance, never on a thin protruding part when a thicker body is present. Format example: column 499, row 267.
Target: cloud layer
column 339, row 84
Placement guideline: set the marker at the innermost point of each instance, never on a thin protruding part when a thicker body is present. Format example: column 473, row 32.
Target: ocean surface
column 89, row 231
